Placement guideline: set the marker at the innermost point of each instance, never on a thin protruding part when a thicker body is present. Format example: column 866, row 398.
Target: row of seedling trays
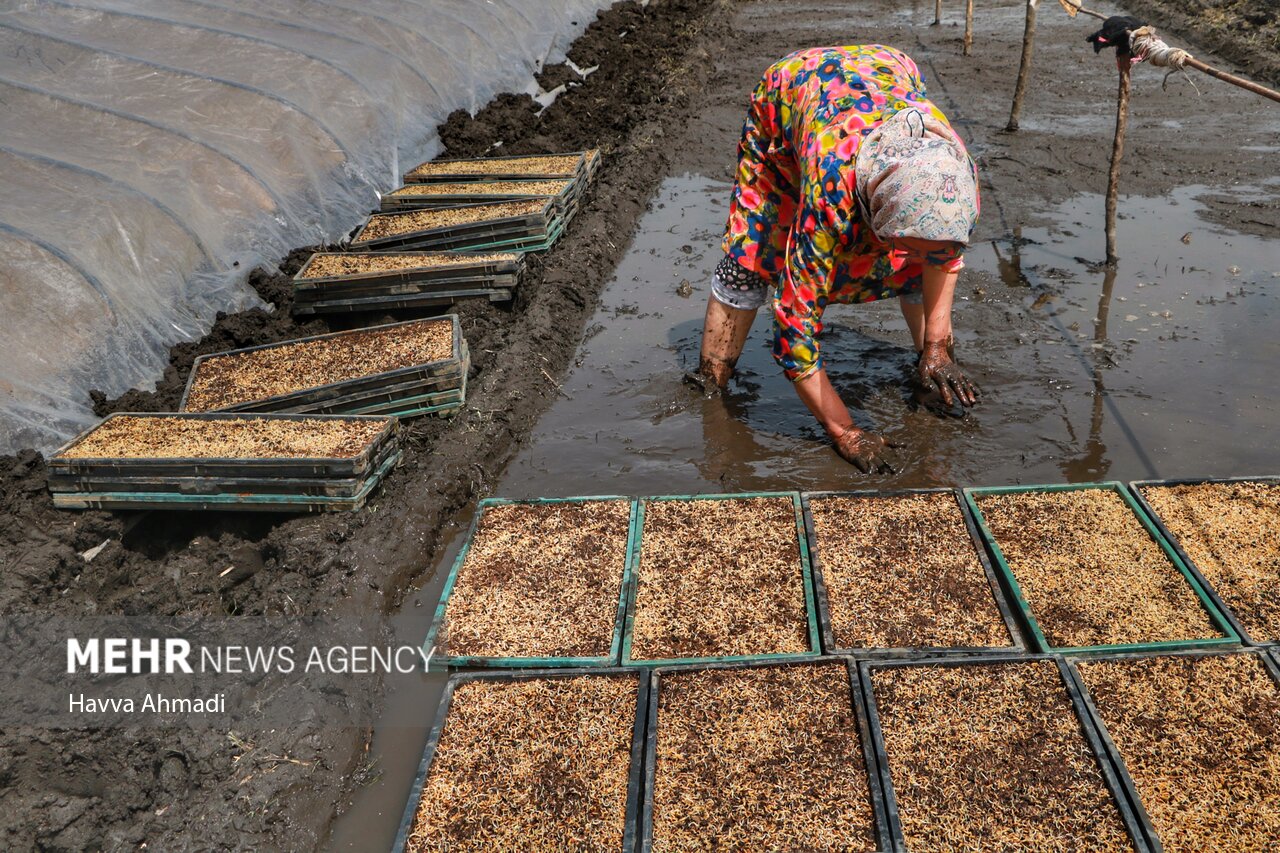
column 456, row 229
column 1174, row 751
column 1076, row 569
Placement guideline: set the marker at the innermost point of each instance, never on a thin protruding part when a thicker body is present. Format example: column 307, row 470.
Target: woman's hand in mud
column 711, row 377
column 937, row 371
column 868, row 452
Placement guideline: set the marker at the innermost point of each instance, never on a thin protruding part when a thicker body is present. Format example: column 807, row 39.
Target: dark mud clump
column 179, row 789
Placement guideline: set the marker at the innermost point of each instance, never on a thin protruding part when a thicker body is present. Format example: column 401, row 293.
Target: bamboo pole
column 1024, row 67
column 1117, row 151
column 1233, row 79
column 937, row 13
column 968, row 28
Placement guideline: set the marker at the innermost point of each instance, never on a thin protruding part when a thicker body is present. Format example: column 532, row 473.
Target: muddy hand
column 937, row 370
column 868, row 452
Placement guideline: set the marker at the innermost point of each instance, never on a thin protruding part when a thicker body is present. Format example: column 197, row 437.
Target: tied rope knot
column 1146, row 46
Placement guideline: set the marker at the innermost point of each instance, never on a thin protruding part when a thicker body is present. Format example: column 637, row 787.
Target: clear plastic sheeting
column 155, row 151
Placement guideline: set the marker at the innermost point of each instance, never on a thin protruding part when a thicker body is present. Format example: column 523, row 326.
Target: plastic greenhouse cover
column 155, row 151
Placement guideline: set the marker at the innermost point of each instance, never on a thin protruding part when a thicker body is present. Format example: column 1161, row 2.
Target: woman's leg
column 724, row 334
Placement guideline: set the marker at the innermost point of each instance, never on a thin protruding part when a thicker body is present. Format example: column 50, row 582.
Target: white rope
column 1145, row 45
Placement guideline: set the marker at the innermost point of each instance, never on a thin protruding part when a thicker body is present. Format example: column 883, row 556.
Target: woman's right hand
column 869, row 452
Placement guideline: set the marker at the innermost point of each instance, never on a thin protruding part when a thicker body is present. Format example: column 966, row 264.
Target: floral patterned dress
column 794, row 218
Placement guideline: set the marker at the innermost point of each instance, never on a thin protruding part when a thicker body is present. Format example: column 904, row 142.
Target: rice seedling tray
column 1245, row 610
column 488, row 601
column 792, row 603
column 561, row 192
column 425, row 287
column 1124, row 828
column 445, row 403
column 437, row 750
column 860, row 766
column 1203, row 767
column 337, row 487
column 450, row 227
column 576, row 164
column 449, row 366
column 429, row 299
column 428, row 266
column 97, row 466
column 1184, row 609
column 240, row 502
column 357, row 402
column 980, row 612
column 524, row 244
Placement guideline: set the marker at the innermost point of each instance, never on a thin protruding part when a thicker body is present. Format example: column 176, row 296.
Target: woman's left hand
column 937, row 370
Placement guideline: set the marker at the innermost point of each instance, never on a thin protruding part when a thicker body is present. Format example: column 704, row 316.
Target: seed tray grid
column 449, row 366
column 228, row 466
column 615, row 645
column 815, row 637
column 829, row 644
column 437, row 729
column 111, row 501
column 391, row 203
column 427, row 299
column 879, row 813
column 586, row 167
column 1121, row 770
column 1135, row 490
column 408, row 275
column 1042, row 644
column 498, row 228
column 1115, row 786
column 335, row 487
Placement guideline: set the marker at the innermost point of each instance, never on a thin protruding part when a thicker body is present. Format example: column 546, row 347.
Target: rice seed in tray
column 477, row 223
column 1230, row 533
column 311, row 370
column 992, row 756
column 759, row 758
column 1092, row 573
column 532, row 761
column 902, row 572
column 720, row 577
column 336, row 267
column 409, row 196
column 1199, row 738
column 538, row 583
column 572, row 165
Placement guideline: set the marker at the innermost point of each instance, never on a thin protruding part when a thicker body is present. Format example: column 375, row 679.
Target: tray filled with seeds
column 509, row 225
column 1227, row 532
column 227, row 461
column 377, row 367
column 331, row 282
column 531, row 760
column 563, row 192
column 1196, row 738
column 579, row 165
column 538, row 583
column 719, row 577
column 992, row 754
column 1089, row 571
column 904, row 573
column 760, row 756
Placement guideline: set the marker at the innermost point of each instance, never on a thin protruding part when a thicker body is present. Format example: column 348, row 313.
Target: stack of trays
column 289, row 463
column 563, row 191
column 378, row 281
column 403, row 369
column 522, row 226
column 579, row 166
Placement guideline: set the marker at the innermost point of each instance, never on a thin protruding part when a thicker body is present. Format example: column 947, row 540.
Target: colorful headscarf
column 916, row 180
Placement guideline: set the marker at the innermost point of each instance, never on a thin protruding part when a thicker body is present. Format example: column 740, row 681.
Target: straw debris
column 324, row 265
column 227, row 380
column 168, row 437
column 393, row 224
column 541, row 580
column 992, row 757
column 539, row 764
column 481, row 188
column 559, row 164
column 1090, row 571
column 719, row 578
column 762, row 758
column 1231, row 531
column 1200, row 737
column 903, row 572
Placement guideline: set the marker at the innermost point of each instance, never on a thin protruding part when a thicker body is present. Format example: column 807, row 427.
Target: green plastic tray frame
column 1136, row 486
column 633, row 588
column 1113, row 752
column 477, row 269
column 634, row 772
column 450, row 237
column 587, row 165
column 823, row 596
column 615, row 645
column 431, row 299
column 1228, row 638
column 238, row 502
column 391, row 202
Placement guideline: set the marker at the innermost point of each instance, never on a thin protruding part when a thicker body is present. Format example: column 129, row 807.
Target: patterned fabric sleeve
column 816, row 241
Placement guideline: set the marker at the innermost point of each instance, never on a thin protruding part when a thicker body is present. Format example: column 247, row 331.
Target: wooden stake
column 1117, row 151
column 1024, row 68
column 937, row 13
column 968, row 27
